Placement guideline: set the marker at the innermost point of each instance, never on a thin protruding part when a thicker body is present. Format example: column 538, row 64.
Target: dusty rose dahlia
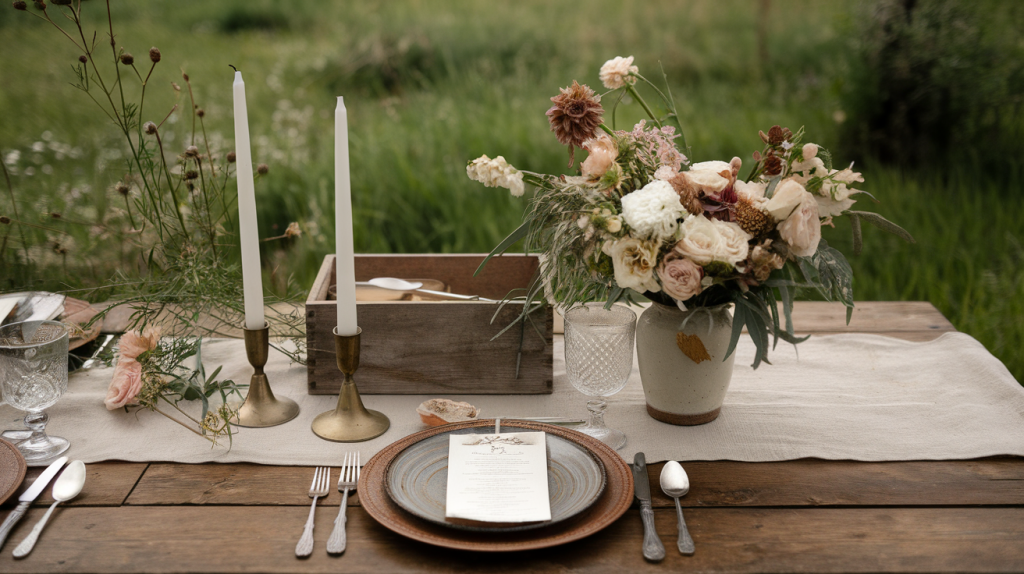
column 575, row 117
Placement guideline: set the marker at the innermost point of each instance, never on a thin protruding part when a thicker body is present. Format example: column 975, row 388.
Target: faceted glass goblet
column 598, row 360
column 33, row 375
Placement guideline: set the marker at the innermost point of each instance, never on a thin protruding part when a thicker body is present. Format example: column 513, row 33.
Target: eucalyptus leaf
column 509, row 241
column 883, row 224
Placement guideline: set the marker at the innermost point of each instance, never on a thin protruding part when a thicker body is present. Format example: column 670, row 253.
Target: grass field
column 432, row 85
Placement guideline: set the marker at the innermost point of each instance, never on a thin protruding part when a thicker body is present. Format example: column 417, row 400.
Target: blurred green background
column 925, row 95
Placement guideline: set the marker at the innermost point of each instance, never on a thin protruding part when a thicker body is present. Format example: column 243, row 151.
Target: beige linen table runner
column 857, row 397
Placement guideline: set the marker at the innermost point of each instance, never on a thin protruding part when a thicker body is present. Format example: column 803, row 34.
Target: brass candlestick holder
column 350, row 421
column 261, row 408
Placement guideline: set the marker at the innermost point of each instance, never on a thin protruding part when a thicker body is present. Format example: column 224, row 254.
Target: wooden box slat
column 434, row 347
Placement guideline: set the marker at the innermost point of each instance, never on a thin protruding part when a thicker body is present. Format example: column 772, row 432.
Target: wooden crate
column 434, row 347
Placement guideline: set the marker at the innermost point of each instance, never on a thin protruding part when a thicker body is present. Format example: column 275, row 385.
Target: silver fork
column 320, row 487
column 347, row 480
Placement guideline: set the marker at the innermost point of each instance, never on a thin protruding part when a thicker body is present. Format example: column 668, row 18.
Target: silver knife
column 653, row 548
column 26, row 498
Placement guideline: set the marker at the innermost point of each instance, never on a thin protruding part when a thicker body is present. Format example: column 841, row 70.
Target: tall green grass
column 432, row 85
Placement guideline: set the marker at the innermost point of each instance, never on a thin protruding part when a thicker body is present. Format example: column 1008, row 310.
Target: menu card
column 498, row 478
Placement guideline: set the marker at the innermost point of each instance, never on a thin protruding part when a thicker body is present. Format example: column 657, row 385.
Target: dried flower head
column 293, row 230
column 184, row 76
column 20, row 5
column 83, row 59
column 191, row 174
column 772, row 164
column 121, row 188
column 231, row 157
column 754, row 221
column 39, row 4
column 59, row 249
column 5, row 220
column 192, row 151
column 200, row 112
column 262, row 169
column 575, row 117
column 149, row 128
column 154, row 55
column 127, row 59
column 55, row 215
column 689, row 196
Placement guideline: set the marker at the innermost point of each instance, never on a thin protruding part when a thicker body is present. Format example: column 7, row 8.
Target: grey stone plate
column 417, row 479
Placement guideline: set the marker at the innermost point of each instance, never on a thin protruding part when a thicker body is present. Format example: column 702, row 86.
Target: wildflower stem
column 192, row 430
column 14, row 205
column 170, row 184
column 643, row 104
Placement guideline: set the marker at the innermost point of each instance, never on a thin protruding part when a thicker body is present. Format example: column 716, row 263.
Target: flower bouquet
column 638, row 218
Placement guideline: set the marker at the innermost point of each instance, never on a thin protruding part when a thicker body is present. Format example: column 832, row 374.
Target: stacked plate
column 403, row 487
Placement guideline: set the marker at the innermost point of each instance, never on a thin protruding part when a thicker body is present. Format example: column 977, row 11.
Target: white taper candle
column 344, row 246
column 248, row 234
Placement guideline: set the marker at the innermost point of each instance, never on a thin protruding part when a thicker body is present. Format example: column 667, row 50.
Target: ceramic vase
column 681, row 364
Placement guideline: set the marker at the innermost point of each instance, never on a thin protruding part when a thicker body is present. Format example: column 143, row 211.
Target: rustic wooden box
column 434, row 347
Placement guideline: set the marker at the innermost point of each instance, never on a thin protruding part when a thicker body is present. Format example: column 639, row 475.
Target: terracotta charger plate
column 12, row 470
column 613, row 502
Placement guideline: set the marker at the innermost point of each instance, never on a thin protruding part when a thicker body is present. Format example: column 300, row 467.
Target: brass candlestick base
column 350, row 421
column 261, row 408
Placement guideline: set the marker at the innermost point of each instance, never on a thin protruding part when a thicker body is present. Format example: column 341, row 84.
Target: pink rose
column 802, row 229
column 125, row 384
column 680, row 278
column 133, row 344
column 603, row 152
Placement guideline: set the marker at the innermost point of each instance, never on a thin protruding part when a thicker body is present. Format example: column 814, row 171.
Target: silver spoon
column 395, row 284
column 675, row 483
column 67, row 487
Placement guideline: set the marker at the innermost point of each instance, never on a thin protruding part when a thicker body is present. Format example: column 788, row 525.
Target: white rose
column 709, row 181
column 633, row 261
column 652, row 211
column 788, row 194
column 705, row 240
column 802, row 229
column 615, row 73
column 750, row 190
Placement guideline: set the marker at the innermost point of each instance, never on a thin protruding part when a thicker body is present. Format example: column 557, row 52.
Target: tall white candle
column 346, row 272
column 252, row 281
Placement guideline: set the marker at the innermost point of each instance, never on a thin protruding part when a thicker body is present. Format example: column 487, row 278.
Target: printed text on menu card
column 498, row 478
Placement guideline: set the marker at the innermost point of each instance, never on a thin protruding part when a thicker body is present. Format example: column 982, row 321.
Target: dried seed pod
column 20, row 5
column 231, row 157
column 127, row 59
column 262, row 169
column 83, row 59
column 149, row 128
column 154, row 55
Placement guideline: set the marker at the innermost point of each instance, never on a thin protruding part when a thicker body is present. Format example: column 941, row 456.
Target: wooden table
column 807, row 515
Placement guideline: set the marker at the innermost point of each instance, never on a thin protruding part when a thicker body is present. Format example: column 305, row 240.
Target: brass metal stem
column 350, row 421
column 261, row 408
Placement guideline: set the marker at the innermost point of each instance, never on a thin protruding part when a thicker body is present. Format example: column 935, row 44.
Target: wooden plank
column 231, row 484
column 807, row 482
column 106, row 484
column 243, row 539
column 869, row 317
column 815, row 482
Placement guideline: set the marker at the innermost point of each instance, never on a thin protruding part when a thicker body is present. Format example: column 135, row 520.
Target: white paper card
column 498, row 478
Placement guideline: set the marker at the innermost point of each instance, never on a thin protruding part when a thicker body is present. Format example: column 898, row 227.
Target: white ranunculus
column 802, row 229
column 633, row 261
column 652, row 211
column 496, row 173
column 788, row 194
column 615, row 73
column 809, row 150
column 705, row 240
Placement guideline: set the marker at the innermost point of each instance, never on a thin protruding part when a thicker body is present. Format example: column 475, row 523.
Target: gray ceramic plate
column 417, row 479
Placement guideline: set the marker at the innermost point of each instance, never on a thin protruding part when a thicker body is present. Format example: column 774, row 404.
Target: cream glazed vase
column 681, row 390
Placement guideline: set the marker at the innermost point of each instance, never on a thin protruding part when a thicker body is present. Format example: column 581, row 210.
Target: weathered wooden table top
column 803, row 515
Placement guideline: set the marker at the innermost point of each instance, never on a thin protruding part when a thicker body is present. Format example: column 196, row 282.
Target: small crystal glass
column 598, row 360
column 33, row 375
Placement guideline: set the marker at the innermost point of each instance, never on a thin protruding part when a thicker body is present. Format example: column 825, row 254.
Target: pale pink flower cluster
column 496, row 173
column 617, row 72
column 127, row 379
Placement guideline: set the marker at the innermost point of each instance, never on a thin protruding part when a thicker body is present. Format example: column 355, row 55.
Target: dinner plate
column 417, row 479
column 613, row 502
column 12, row 470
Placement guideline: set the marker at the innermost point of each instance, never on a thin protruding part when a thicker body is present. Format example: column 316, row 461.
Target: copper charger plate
column 12, row 470
column 613, row 503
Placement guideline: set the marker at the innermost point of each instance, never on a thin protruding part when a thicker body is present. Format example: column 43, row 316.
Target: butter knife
column 26, row 498
column 653, row 548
